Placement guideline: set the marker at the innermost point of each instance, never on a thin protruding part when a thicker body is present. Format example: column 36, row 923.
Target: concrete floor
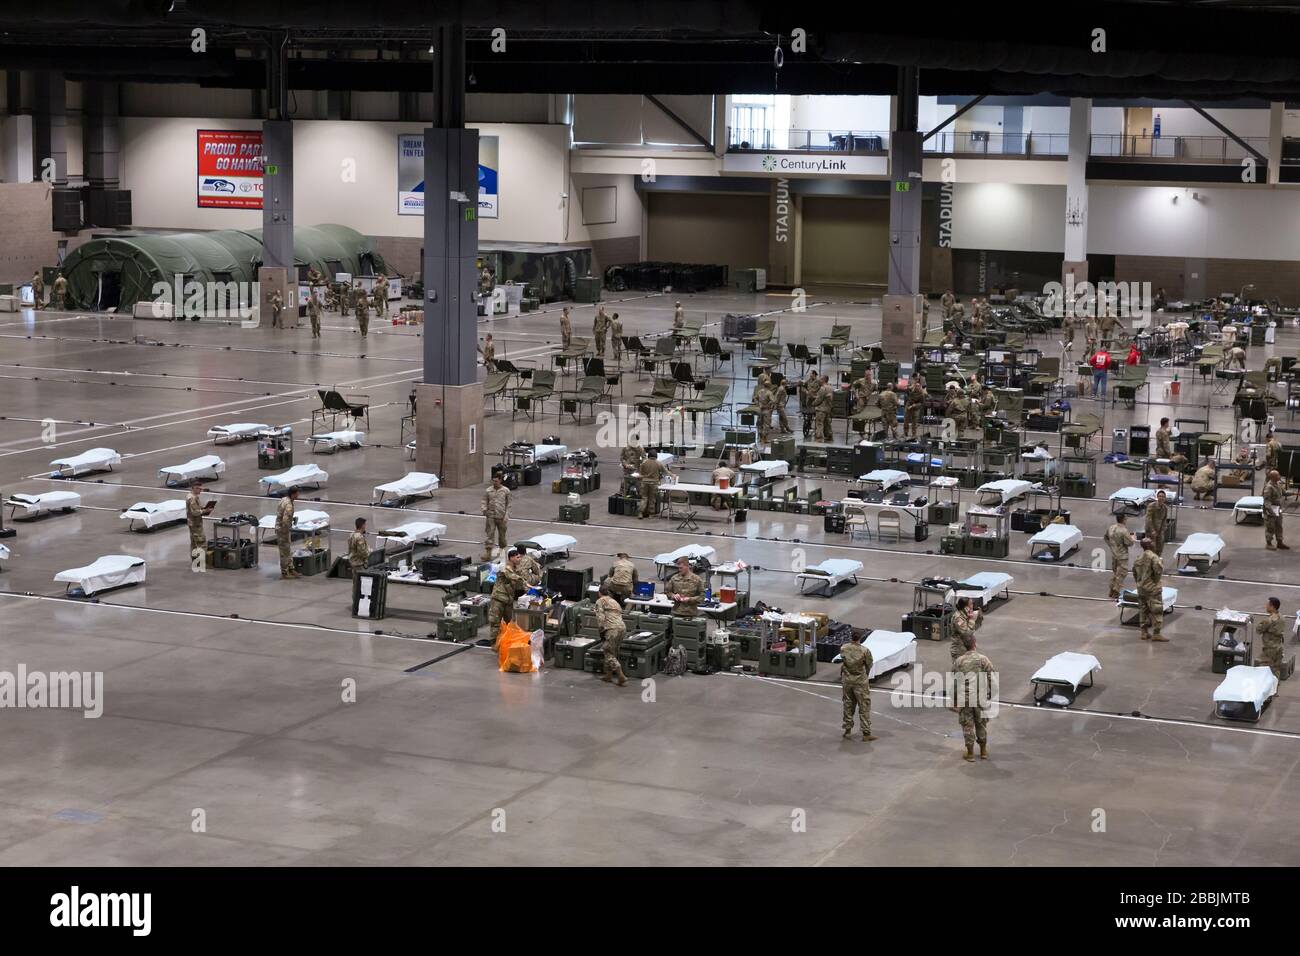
column 243, row 718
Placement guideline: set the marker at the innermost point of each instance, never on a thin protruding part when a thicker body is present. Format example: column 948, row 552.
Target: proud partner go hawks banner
column 230, row 168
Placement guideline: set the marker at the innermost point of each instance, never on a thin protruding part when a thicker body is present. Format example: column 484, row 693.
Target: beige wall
column 28, row 239
column 845, row 240
column 703, row 227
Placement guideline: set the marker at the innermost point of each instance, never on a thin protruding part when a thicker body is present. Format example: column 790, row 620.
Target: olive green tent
column 118, row 271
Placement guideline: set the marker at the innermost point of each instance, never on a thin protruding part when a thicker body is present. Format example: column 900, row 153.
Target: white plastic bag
column 538, row 641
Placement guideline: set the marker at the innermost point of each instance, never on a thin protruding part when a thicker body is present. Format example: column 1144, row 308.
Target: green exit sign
column 272, row 170
column 469, row 214
column 902, row 187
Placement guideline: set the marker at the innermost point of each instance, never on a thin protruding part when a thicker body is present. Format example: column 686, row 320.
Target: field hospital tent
column 116, row 271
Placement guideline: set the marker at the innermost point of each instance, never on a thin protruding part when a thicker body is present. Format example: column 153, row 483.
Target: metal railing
column 985, row 143
column 740, row 139
column 1174, row 149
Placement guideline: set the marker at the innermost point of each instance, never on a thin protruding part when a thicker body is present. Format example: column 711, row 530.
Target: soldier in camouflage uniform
column 1157, row 521
column 496, row 512
column 766, row 404
column 958, row 407
column 1270, row 638
column 888, row 402
column 1272, row 449
column 971, row 716
column 59, row 294
column 566, row 328
column 616, row 335
column 652, row 472
column 313, row 313
column 1148, row 571
column 284, row 533
column 855, row 665
column 622, row 576
column 631, row 457
column 1119, row 539
column 195, row 510
column 380, row 296
column 685, row 590
column 38, row 290
column 609, row 618
column 913, row 408
column 966, row 620
column 822, row 405
column 509, row 585
column 530, row 569
column 808, row 396
column 362, row 309
column 1273, row 498
column 599, row 329
column 358, row 550
column 277, row 309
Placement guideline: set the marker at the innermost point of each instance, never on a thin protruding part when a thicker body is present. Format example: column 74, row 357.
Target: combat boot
column 1270, row 545
column 1160, row 638
column 1145, row 635
column 848, row 733
column 970, row 753
column 867, row 738
column 618, row 671
column 1283, row 547
column 984, row 750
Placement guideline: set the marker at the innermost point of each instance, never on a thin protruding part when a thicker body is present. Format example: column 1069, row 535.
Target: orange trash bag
column 514, row 649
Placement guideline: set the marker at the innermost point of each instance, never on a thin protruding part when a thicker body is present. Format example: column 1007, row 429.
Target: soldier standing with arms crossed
column 855, row 665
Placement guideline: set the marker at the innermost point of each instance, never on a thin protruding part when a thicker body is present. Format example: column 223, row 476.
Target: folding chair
column 333, row 404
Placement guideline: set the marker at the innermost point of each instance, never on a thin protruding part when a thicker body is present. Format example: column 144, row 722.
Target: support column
column 1276, row 112
column 50, row 126
column 449, row 420
column 1076, row 193
column 902, row 305
column 781, row 235
column 278, row 272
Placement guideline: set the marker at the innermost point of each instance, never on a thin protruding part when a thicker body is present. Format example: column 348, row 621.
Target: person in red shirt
column 1134, row 356
column 1100, row 363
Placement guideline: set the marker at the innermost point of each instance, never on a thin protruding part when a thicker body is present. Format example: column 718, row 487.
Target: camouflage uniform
column 1147, row 572
column 59, row 294
column 946, row 302
column 1270, row 636
column 277, row 308
column 810, row 389
column 630, row 458
column 888, row 402
column 779, row 397
column 1272, row 449
column 974, row 724
column 501, row 607
column 964, row 624
column 566, row 330
column 530, row 570
column 38, row 290
column 621, row 578
column 1119, row 539
column 362, row 311
column 822, row 406
column 1203, row 482
column 958, row 407
column 609, row 619
column 855, row 687
column 616, row 335
column 691, row 589
column 651, row 473
column 380, row 296
column 599, row 328
column 358, row 551
column 1273, row 498
column 765, row 402
column 1157, row 520
column 284, row 535
column 194, row 521
column 313, row 313
column 490, row 356
column 913, row 408
column 1068, row 325
column 496, row 513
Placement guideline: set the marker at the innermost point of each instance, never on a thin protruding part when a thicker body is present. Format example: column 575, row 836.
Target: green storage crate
column 772, row 663
column 575, row 514
column 722, row 657
column 655, row 623
column 461, row 630
column 638, row 664
column 951, row 544
column 799, row 664
column 573, row 653
column 690, row 627
column 749, row 646
column 586, row 289
column 318, row 562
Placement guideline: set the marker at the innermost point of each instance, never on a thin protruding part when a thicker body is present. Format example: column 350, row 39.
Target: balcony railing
column 1174, row 149
column 740, row 139
column 987, row 143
